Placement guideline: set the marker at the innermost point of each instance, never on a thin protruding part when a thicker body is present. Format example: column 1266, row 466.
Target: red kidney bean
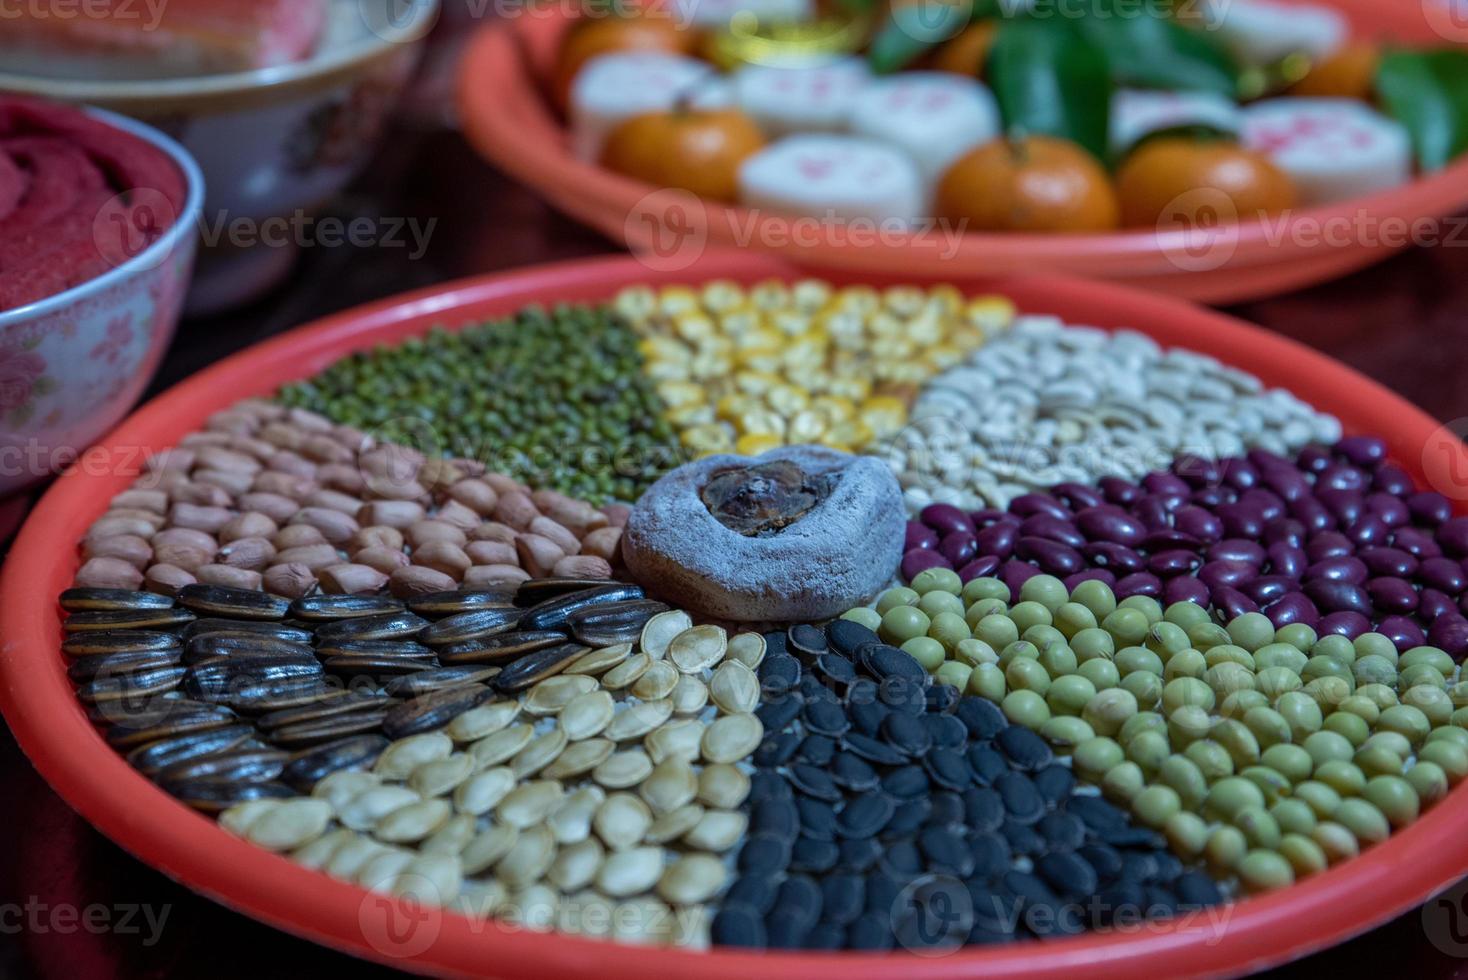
column 1294, row 607
column 1429, row 508
column 1118, row 558
column 1030, row 504
column 1416, row 542
column 1443, row 574
column 1288, row 561
column 1152, row 511
column 1449, row 633
column 1119, row 491
column 1233, row 603
column 1362, row 450
column 989, row 516
column 1267, row 588
column 1435, row 603
column 1212, row 497
column 1198, row 471
column 978, row 568
column 1388, row 561
column 1237, row 550
column 1185, row 588
column 1016, row 573
column 1345, row 505
column 1404, row 632
column 1169, row 540
column 1168, row 564
column 1347, row 624
column 1393, row 595
column 1286, row 531
column 1390, row 509
column 959, row 549
column 1333, row 595
column 1367, row 531
column 1328, row 544
column 1313, row 459
column 921, row 559
column 1267, row 460
column 1241, row 520
column 1198, row 523
column 1090, row 575
column 1240, row 474
column 1339, row 477
column 1347, row 569
column 946, row 519
column 1452, row 536
column 998, row 540
column 1393, row 480
column 1142, row 583
column 1268, row 503
column 1102, row 524
column 1166, row 485
column 1078, row 496
column 1046, row 526
column 919, row 535
column 1054, row 557
column 1312, row 514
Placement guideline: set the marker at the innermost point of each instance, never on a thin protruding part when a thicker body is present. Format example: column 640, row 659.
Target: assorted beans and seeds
column 1156, row 637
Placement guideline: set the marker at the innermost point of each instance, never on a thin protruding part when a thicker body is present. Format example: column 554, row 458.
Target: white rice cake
column 830, row 176
column 1260, row 32
column 934, row 117
column 1333, row 149
column 1136, row 113
column 817, row 98
column 614, row 87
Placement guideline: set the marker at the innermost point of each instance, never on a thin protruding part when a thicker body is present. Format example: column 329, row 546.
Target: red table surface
column 73, row 905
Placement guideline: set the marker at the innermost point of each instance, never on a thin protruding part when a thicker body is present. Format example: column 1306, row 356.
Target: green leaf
column 914, row 29
column 1147, row 48
column 1427, row 92
column 1049, row 79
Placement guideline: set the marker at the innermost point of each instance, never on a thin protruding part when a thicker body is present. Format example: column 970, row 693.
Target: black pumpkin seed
column 947, row 809
column 867, row 717
column 1131, row 837
column 118, row 641
column 323, row 608
column 907, row 734
column 945, row 852
column 499, row 649
column 469, row 626
column 901, row 859
column 433, row 710
column 142, row 683
column 843, row 896
column 775, row 643
column 1061, row 830
column 872, row 750
column 1097, row 813
column 981, row 717
column 386, row 626
column 218, row 600
column 846, row 637
column 555, row 612
column 434, row 605
column 1026, row 750
column 814, row 782
column 824, row 936
column 1067, row 873
column 946, row 730
column 738, row 925
column 775, row 816
column 777, row 712
column 942, row 698
column 217, row 795
column 805, row 640
column 1055, row 783
column 987, row 764
column 765, row 853
column 1105, row 859
column 948, row 767
column 814, row 688
column 817, row 818
column 114, row 664
column 246, row 627
column 865, row 816
column 854, row 773
column 817, row 750
column 983, row 809
column 535, row 667
column 776, row 749
column 1022, row 838
column 112, row 600
column 910, row 817
column 799, row 900
column 858, row 854
column 902, row 695
column 882, row 893
column 990, row 854
column 1196, row 890
column 813, row 856
column 767, row 784
column 872, row 932
column 884, row 662
column 835, row 670
column 307, row 768
column 756, row 891
column 126, row 619
column 242, row 765
column 1022, row 801
column 154, row 757
column 778, row 674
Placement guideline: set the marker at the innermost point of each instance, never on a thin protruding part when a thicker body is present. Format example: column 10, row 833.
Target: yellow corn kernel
column 693, row 326
column 760, row 422
column 668, row 370
column 806, row 426
column 990, row 312
column 713, row 438
column 810, row 295
column 791, row 323
column 787, row 399
column 735, row 323
column 966, row 338
column 760, row 338
column 883, row 414
column 904, row 301
column 766, row 361
column 940, row 357
column 772, row 294
column 850, row 435
column 884, row 324
column 755, row 383
column 756, row 443
column 924, row 329
column 636, row 303
column 946, row 299
column 662, row 349
column 731, row 407
column 721, row 295
column 677, row 299
column 833, row 408
column 706, row 367
column 851, row 386
column 688, row 416
column 859, row 299
column 679, row 393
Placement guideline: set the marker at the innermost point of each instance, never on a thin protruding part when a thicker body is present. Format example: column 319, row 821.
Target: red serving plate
column 506, row 115
column 49, row 723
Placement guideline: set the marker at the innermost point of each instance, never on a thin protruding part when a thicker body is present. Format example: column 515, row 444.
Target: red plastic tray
column 39, row 705
column 505, row 114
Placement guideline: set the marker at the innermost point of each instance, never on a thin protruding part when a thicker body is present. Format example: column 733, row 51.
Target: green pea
column 1335, row 646
column 1395, row 798
column 1251, row 631
column 1186, row 691
column 1268, row 726
column 1343, row 777
column 1362, row 818
column 1405, row 720
column 1375, row 645
column 1185, row 663
column 1264, row 871
column 1122, row 783
column 1294, row 762
column 1395, row 742
column 954, row 674
column 1149, row 750
column 1155, row 805
column 1146, row 605
column 1045, row 590
column 1325, row 667
column 1374, row 670
column 1069, row 694
column 1206, row 636
column 1166, row 639
column 1319, row 797
column 983, row 609
column 1109, row 708
column 1073, row 617
column 1095, row 644
column 1433, row 702
column 1323, row 746
column 1260, row 829
column 1428, row 781
column 936, row 579
column 987, row 587
column 1065, row 732
column 1349, row 726
column 987, row 681
column 1237, row 704
column 934, row 603
column 1301, row 714
column 1228, row 677
column 1460, row 716
column 1382, row 695
column 1131, row 659
column 1239, row 741
column 997, row 631
column 974, row 652
column 1422, row 675
column 1225, row 850
column 1328, row 692
column 1378, row 761
column 1187, row 834
column 892, row 598
column 1449, row 733
column 1185, row 778
column 1142, row 721
column 1294, row 816
column 949, row 629
column 1336, row 842
column 1095, row 596
column 1024, row 674
column 1230, row 795
column 1025, row 707
column 1127, row 626
column 1096, row 757
column 1058, row 658
column 1145, row 687
column 863, row 616
column 1431, row 657
column 926, row 651
column 1277, row 681
column 1297, row 635
column 1102, row 673
column 1212, row 759
column 1186, row 614
column 1280, row 655
column 1304, row 855
column 1452, row 758
column 1042, row 636
column 1362, row 707
column 1459, row 694
column 903, row 623
column 1018, row 650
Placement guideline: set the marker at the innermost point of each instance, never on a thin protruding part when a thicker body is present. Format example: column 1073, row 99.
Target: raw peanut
column 183, row 556
column 314, row 556
column 164, row 481
column 279, row 509
column 221, row 458
column 385, row 560
column 439, row 474
column 582, row 566
column 202, row 495
column 233, row 482
column 604, row 542
column 401, row 514
column 391, row 460
column 335, row 500
column 261, row 408
column 251, row 553
column 201, row 440
column 352, row 579
column 443, row 556
column 458, row 515
column 417, row 580
column 286, row 461
column 353, row 438
column 250, row 524
column 471, row 467
column 564, row 539
column 297, row 488
column 171, row 459
column 255, row 448
column 390, row 489
column 342, row 477
column 209, row 519
column 297, row 536
column 325, row 449
column 577, row 516
column 186, row 537
column 477, row 495
column 377, row 536
column 617, row 514
column 283, row 436
column 227, row 422
column 516, row 510
column 538, row 555
column 503, row 484
column 155, row 521
column 290, row 580
column 425, row 532
column 110, row 526
column 129, row 547
column 492, row 553
column 335, row 526
column 309, row 420
column 234, row 578
column 153, row 500
column 493, row 531
column 167, row 579
column 108, row 573
column 490, row 576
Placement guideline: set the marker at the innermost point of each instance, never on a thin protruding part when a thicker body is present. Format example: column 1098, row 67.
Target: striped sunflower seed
column 698, row 648
column 627, row 672
column 579, row 758
column 539, row 753
column 483, row 791
column 586, row 715
column 660, row 630
column 529, row 803
column 630, row 872
column 621, row 821
column 717, row 831
column 399, row 759
column 722, row 786
column 691, row 879
column 489, row 847
column 639, row 719
column 734, row 688
column 657, row 683
column 681, row 739
column 502, row 746
column 732, row 737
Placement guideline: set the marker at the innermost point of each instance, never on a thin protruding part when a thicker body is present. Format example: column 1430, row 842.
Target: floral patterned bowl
column 274, row 144
column 73, row 364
